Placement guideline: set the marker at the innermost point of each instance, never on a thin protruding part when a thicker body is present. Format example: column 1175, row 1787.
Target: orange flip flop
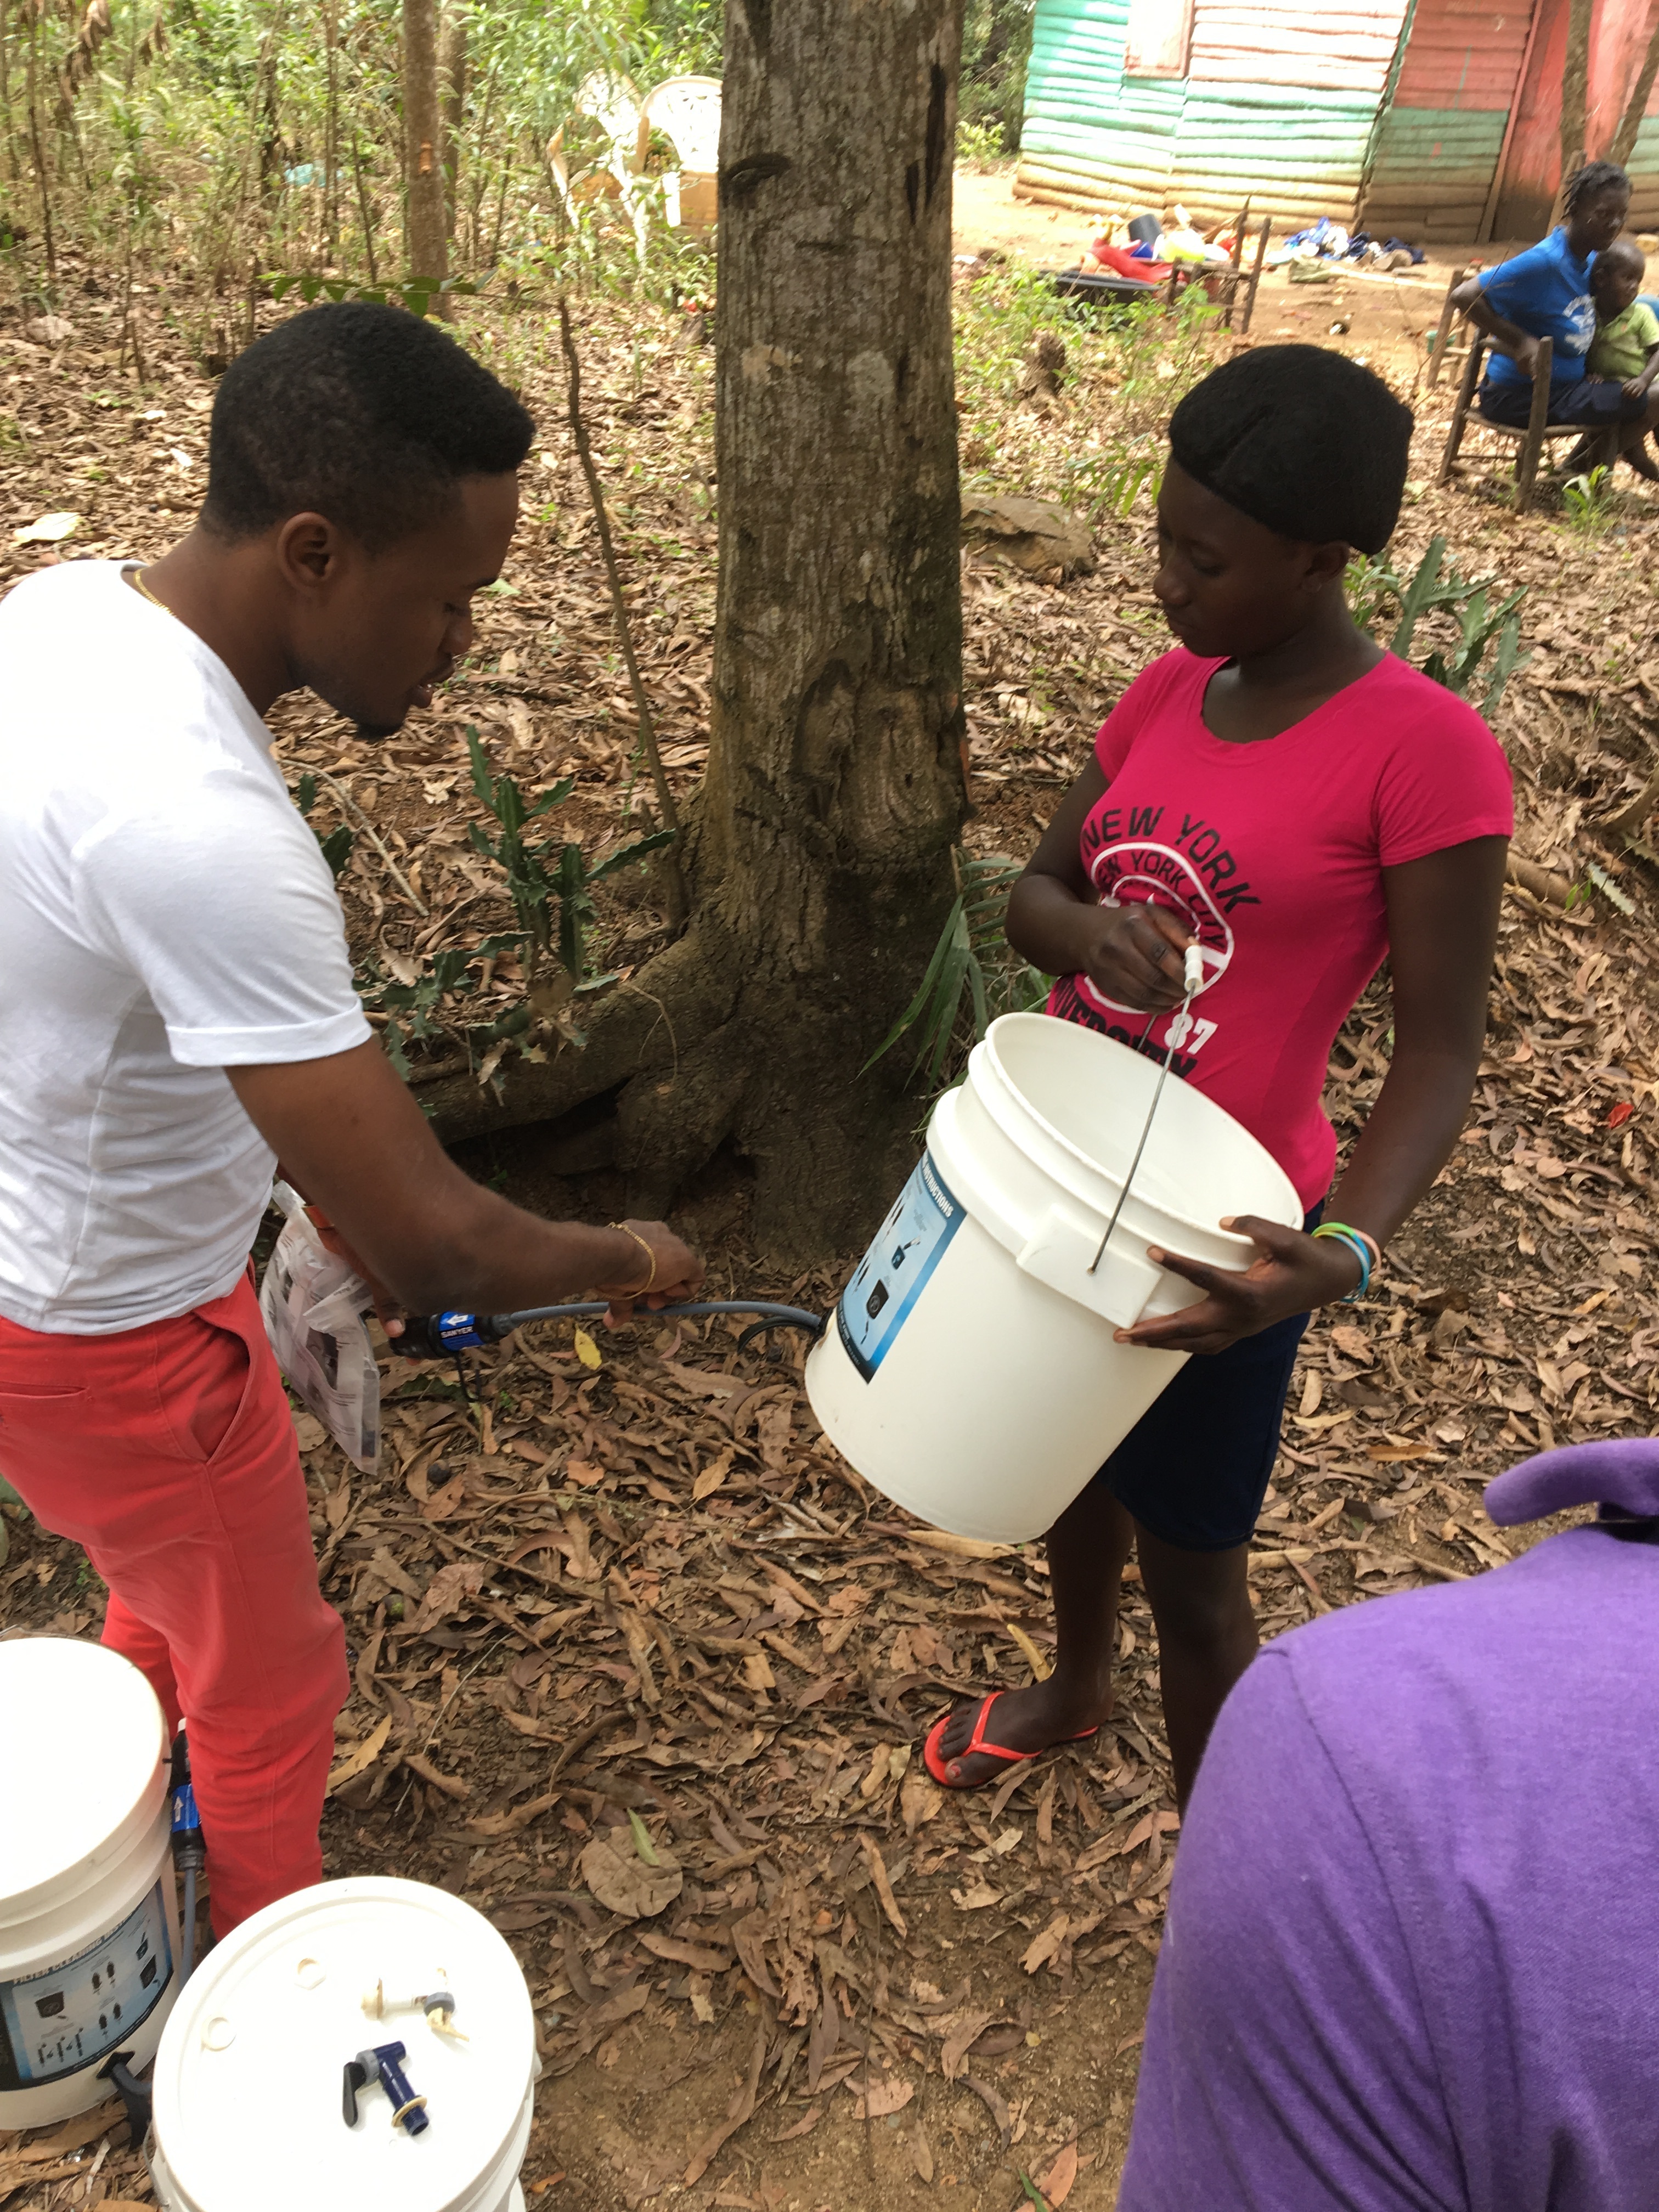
column 937, row 1768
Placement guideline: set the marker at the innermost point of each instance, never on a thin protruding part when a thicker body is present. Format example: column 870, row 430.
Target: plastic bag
column 313, row 1306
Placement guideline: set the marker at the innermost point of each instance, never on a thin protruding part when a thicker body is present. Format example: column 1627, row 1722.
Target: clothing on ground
column 1545, row 292
column 168, row 1452
column 1592, row 403
column 1195, row 1466
column 1408, row 1964
column 1621, row 346
column 1271, row 854
column 166, row 914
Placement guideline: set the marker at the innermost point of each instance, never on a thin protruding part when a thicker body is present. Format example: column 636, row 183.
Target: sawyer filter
column 88, row 1923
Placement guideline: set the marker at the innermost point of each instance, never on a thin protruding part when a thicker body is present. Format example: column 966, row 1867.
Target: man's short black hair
column 365, row 414
column 1301, row 440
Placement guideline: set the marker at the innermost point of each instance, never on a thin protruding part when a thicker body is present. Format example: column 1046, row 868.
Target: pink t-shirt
column 1271, row 854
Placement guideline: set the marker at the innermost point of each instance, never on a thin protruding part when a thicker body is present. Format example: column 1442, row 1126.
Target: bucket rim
column 1020, row 1023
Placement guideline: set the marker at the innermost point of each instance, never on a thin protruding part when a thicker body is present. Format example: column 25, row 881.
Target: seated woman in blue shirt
column 1545, row 292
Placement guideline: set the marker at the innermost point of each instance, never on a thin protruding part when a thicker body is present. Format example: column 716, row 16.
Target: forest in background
column 204, row 148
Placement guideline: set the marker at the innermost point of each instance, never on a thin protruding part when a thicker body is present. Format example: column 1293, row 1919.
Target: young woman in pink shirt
column 1302, row 804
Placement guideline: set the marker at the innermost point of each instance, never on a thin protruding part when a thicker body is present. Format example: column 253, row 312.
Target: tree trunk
column 1624, row 139
column 819, row 854
column 453, row 72
column 1575, row 83
column 425, row 239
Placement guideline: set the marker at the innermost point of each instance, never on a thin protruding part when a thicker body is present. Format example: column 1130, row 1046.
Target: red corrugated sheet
column 1462, row 53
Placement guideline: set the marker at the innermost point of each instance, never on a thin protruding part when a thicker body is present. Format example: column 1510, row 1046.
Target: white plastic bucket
column 89, row 1923
column 249, row 2077
column 969, row 1372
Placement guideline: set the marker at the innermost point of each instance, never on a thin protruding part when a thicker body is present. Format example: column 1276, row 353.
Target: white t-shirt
column 165, row 913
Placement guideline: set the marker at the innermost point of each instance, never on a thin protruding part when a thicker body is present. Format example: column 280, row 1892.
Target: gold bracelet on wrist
column 650, row 1280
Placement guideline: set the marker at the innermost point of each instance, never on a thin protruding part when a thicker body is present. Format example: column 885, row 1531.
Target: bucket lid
column 83, row 1751
column 248, row 2077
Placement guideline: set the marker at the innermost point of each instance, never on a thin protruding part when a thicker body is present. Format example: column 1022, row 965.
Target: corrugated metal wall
column 1288, row 106
column 1437, row 147
column 1280, row 106
column 1644, row 167
column 1431, row 170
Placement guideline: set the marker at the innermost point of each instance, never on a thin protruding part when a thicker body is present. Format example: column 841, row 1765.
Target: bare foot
column 1032, row 1719
column 1641, row 461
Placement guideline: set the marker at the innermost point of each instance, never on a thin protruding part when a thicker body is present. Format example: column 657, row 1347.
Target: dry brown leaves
column 649, row 1588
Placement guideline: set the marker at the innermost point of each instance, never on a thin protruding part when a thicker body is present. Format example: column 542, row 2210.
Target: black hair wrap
column 1304, row 441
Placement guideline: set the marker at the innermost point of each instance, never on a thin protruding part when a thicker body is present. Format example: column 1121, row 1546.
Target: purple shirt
column 1413, row 1951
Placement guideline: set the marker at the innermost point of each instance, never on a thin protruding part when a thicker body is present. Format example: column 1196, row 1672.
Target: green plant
column 414, row 293
column 979, row 145
column 550, row 889
column 973, row 967
column 1436, row 587
column 412, row 997
column 338, row 843
column 1587, row 500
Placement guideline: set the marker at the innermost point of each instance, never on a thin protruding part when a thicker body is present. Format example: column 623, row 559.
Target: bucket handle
column 1061, row 1252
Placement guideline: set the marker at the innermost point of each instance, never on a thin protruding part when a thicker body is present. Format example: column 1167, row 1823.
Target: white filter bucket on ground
column 249, row 2079
column 970, row 1372
column 89, row 1923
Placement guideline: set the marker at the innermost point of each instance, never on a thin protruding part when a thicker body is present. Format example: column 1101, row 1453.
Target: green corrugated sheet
column 1644, row 167
column 1431, row 172
column 1088, row 131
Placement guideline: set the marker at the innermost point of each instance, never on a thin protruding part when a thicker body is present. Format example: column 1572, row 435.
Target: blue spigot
column 384, row 2065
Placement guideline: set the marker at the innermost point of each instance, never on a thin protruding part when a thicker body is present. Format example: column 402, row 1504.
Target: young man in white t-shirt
column 177, row 1012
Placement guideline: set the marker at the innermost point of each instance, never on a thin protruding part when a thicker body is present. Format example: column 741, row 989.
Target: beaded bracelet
column 1362, row 1247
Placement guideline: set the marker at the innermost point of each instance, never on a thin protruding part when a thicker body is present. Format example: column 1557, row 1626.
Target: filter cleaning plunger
column 437, row 2121
column 88, row 1924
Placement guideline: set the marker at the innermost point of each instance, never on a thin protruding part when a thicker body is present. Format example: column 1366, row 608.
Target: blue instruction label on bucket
column 62, row 2019
column 893, row 1273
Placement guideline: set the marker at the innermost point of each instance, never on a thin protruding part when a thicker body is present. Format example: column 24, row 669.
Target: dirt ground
column 630, row 1580
column 1384, row 318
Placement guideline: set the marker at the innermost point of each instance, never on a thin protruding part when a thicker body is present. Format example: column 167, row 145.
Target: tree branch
column 679, row 904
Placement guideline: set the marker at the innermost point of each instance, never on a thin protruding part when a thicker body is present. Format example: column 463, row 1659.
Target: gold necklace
column 135, row 577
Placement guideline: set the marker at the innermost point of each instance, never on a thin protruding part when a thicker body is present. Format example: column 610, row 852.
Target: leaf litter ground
column 641, row 1669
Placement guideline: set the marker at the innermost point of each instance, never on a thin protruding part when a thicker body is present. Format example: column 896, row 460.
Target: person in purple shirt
column 1411, row 1962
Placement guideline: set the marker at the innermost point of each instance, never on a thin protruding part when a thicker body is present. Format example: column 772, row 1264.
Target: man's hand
column 1292, row 1274
column 671, row 1273
column 353, row 1141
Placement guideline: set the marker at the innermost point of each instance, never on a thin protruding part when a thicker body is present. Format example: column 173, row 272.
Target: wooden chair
column 1239, row 284
column 1442, row 336
column 1226, row 283
column 1533, row 439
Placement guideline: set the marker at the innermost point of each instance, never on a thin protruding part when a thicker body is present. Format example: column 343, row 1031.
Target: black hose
column 438, row 1336
column 590, row 1309
column 187, row 1935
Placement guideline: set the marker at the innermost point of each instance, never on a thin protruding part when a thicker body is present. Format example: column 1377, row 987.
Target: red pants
column 168, row 1453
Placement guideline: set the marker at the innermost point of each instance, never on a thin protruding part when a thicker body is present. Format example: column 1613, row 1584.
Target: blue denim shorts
column 1194, row 1468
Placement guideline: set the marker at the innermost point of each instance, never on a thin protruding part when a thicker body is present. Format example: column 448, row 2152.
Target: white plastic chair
column 687, row 110
column 614, row 104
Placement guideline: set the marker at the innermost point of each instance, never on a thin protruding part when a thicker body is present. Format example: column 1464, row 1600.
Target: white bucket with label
column 249, row 2080
column 969, row 1371
column 89, row 1923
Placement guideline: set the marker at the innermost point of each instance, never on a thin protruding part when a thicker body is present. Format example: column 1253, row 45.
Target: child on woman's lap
column 1625, row 348
column 1301, row 805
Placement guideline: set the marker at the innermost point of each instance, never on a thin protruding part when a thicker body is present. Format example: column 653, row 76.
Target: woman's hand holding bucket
column 1292, row 1274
